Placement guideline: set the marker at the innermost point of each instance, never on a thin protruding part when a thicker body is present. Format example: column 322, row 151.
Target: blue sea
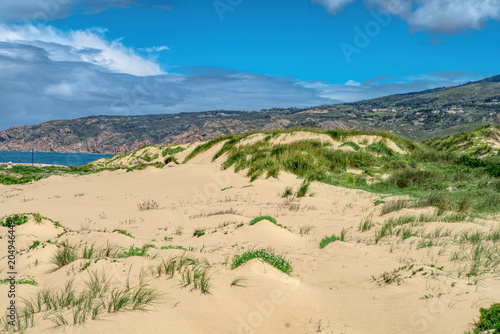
column 50, row 158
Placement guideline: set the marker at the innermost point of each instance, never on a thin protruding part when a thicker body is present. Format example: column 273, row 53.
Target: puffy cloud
column 437, row 16
column 450, row 16
column 45, row 74
column 88, row 46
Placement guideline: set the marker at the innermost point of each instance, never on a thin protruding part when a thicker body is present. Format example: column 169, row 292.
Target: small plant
column 426, row 297
column 178, row 230
column 199, row 232
column 239, row 281
column 135, row 251
column 305, row 229
column 388, row 278
column 266, row 255
column 173, row 247
column 258, row 219
column 65, row 254
column 287, row 193
column 148, row 205
column 38, row 217
column 35, row 244
column 393, row 206
column 22, row 280
column 14, row 220
column 168, row 239
column 124, row 233
column 366, row 224
column 329, row 239
column 304, row 188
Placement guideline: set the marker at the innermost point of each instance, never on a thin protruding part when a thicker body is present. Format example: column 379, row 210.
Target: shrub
column 14, row 220
column 35, row 244
column 135, row 251
column 265, row 255
column 258, row 219
column 329, row 239
column 148, row 205
column 489, row 320
column 171, row 159
column 172, row 151
column 410, row 177
column 198, row 232
column 38, row 217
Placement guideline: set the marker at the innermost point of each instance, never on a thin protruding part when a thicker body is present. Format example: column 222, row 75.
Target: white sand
column 330, row 290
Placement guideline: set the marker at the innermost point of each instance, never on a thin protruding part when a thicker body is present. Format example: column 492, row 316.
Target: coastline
column 49, row 158
column 30, row 164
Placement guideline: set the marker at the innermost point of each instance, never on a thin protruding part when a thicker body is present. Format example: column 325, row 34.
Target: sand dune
column 337, row 289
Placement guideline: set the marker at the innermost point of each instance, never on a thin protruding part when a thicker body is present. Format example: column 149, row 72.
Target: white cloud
column 333, row 6
column 437, row 16
column 155, row 49
column 449, row 16
column 88, row 46
column 353, row 83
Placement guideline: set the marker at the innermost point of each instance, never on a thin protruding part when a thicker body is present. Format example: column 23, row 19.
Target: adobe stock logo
column 372, row 29
column 223, row 6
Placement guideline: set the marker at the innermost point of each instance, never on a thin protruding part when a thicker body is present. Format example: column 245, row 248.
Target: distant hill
column 417, row 115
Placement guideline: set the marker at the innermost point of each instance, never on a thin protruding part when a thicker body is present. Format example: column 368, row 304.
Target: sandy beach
column 337, row 289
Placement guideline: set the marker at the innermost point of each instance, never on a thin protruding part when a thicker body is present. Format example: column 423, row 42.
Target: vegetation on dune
column 206, row 146
column 332, row 238
column 489, row 320
column 22, row 174
column 14, row 220
column 473, row 143
column 68, row 305
column 465, row 183
column 266, row 255
column 258, row 219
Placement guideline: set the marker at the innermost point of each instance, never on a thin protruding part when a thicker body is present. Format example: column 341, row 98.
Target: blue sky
column 63, row 59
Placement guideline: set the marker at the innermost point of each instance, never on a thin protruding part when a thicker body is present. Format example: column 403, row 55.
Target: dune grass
column 261, row 218
column 65, row 254
column 69, row 305
column 418, row 173
column 193, row 272
column 266, row 255
column 332, row 238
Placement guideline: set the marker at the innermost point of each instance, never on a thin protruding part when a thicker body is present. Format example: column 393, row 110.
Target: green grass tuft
column 265, row 255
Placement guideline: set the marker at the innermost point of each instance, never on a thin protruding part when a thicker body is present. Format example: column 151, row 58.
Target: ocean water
column 51, row 158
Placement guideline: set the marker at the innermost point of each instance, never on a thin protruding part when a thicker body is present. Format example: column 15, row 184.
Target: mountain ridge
column 416, row 115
